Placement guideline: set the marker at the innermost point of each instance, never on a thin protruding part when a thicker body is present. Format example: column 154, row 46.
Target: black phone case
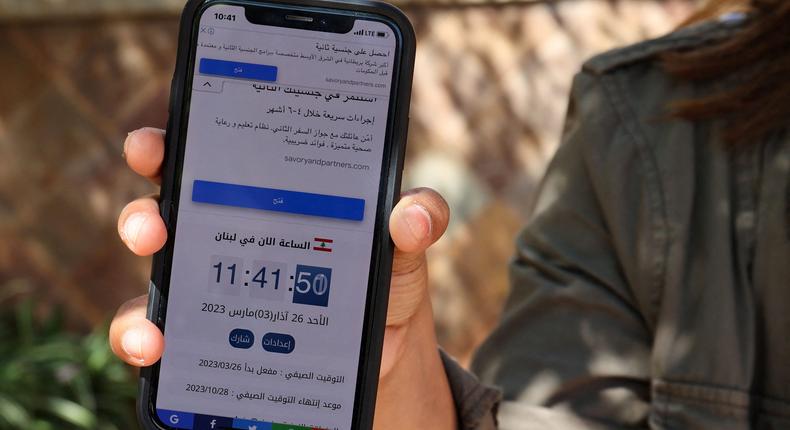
column 389, row 192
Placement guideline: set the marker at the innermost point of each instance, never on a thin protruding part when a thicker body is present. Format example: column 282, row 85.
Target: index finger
column 134, row 338
column 144, row 150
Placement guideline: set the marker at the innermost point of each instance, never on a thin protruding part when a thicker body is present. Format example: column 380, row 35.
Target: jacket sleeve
column 572, row 350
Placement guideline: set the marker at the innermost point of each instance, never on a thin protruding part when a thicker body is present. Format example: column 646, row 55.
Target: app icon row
column 190, row 421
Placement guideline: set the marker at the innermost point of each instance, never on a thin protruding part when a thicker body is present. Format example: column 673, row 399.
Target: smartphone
column 285, row 147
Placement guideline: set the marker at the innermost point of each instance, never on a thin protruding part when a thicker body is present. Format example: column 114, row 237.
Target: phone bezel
column 389, row 186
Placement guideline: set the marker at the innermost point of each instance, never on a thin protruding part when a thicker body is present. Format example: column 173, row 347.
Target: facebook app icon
column 208, row 422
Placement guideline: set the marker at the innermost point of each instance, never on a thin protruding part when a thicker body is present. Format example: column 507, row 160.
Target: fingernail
column 133, row 226
column 126, row 142
column 418, row 220
column 132, row 344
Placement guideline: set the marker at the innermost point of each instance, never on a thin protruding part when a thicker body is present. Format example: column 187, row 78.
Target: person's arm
column 573, row 348
column 414, row 392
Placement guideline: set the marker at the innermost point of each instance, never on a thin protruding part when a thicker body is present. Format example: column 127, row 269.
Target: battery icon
column 382, row 34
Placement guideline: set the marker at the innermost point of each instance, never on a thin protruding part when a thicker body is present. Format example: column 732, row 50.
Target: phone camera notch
column 300, row 18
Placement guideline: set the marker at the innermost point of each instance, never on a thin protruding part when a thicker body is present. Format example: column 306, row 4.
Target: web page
column 283, row 155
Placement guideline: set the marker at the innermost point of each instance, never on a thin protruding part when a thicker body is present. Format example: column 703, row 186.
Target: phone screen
column 272, row 250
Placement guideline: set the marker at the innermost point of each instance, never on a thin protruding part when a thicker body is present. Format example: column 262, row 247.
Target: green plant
column 53, row 379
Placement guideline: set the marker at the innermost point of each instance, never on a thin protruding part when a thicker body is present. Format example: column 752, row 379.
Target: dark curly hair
column 756, row 60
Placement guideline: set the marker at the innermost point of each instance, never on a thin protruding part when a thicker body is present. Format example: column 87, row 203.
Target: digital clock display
column 225, row 16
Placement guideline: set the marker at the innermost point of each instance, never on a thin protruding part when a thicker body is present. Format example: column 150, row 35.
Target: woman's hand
column 413, row 385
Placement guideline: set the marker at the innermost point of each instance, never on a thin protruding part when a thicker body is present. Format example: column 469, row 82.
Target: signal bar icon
column 371, row 33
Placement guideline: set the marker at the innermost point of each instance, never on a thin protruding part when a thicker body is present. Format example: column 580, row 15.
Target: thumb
column 417, row 221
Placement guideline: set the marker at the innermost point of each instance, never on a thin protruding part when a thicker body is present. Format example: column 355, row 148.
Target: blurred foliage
column 53, row 379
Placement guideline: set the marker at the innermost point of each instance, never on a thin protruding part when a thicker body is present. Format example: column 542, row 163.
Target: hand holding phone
column 223, row 165
column 140, row 343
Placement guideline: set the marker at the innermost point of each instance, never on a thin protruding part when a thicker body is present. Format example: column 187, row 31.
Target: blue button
column 175, row 419
column 240, row 424
column 241, row 338
column 233, row 69
column 295, row 202
column 279, row 343
column 208, row 422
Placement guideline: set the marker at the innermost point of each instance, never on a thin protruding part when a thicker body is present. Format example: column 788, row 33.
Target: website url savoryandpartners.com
column 355, row 83
column 322, row 162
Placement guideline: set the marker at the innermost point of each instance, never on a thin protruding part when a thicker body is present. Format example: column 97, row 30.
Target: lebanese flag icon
column 322, row 244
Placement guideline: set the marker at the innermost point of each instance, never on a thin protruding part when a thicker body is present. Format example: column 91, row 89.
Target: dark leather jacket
column 651, row 288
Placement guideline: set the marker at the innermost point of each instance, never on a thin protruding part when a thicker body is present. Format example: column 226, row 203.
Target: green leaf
column 54, row 379
column 71, row 412
column 13, row 413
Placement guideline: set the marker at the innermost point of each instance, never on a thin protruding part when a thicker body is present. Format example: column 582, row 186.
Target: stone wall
column 489, row 98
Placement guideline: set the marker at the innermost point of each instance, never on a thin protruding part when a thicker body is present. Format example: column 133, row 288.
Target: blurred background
column 490, row 94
